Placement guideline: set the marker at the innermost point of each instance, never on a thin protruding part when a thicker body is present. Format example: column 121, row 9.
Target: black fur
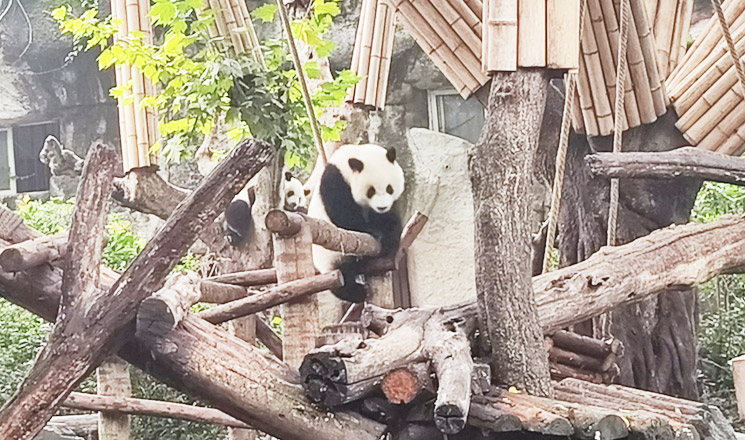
column 238, row 222
column 345, row 213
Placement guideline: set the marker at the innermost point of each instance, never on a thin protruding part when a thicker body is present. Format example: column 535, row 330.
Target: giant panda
column 358, row 188
column 238, row 223
column 294, row 196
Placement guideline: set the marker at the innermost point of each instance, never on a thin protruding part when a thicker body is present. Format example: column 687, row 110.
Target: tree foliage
column 198, row 81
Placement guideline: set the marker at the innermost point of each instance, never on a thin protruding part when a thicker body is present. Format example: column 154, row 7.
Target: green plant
column 199, row 82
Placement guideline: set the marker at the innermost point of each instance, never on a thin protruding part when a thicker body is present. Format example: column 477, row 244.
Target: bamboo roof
column 138, row 126
column 645, row 97
column 704, row 89
column 671, row 22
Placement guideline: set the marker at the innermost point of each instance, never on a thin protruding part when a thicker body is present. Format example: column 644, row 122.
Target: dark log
column 32, row 253
column 585, row 345
column 281, row 294
column 577, row 360
column 214, row 292
column 271, row 340
column 144, row 407
column 161, row 313
column 245, row 383
column 66, row 359
column 501, row 172
column 686, row 162
column 102, row 315
column 560, row 371
column 257, row 277
column 324, row 233
column 488, row 412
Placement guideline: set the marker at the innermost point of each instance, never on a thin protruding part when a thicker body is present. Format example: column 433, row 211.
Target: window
column 450, row 113
column 20, row 168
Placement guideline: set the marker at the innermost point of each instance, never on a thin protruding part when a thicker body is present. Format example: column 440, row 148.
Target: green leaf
column 60, row 13
column 106, row 59
column 325, row 48
column 163, row 12
column 265, row 12
column 312, row 70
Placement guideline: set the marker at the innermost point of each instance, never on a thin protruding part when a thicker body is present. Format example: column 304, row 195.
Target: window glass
column 459, row 117
column 28, row 140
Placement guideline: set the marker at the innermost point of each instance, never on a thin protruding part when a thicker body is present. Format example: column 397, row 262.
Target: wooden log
column 402, row 385
column 256, row 277
column 561, row 371
column 213, row 292
column 145, row 191
column 532, row 417
column 493, row 419
column 687, row 162
column 586, row 345
column 90, row 340
column 32, row 253
column 323, row 233
column 114, row 383
column 83, row 425
column 202, row 360
column 161, row 313
column 283, row 293
column 154, row 408
column 271, row 340
column 577, row 360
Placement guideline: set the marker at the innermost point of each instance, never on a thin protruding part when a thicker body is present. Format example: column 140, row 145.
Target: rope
column 617, row 125
column 561, row 154
column 730, row 42
column 303, row 83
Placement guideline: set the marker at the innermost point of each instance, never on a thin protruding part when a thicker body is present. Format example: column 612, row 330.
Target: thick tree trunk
column 659, row 333
column 501, row 167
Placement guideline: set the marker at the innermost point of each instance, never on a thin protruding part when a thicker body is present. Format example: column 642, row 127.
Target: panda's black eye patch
column 290, row 193
column 389, row 189
column 370, row 192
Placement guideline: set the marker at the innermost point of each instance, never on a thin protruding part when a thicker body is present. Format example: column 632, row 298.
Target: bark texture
column 501, row 167
column 658, row 333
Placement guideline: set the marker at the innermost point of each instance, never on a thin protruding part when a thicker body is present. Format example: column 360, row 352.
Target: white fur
column 297, row 199
column 378, row 172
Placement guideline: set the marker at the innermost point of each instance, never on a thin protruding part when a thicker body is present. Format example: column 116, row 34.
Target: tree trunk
column 501, row 167
column 113, row 380
column 659, row 333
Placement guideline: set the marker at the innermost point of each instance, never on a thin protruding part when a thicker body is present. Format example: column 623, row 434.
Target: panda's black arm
column 337, row 199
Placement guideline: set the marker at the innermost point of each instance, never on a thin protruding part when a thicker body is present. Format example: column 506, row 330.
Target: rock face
column 441, row 264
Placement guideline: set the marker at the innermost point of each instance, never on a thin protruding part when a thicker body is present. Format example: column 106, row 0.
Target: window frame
column 432, row 108
column 11, row 163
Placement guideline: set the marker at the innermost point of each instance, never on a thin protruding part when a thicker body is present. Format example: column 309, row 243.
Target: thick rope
column 561, row 154
column 730, row 43
column 303, row 83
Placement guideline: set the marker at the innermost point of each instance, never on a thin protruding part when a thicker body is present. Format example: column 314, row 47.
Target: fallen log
column 256, row 277
column 586, row 345
column 84, row 425
column 281, row 294
column 215, row 292
column 161, row 313
column 687, row 162
column 99, row 316
column 495, row 414
column 145, row 407
column 32, row 253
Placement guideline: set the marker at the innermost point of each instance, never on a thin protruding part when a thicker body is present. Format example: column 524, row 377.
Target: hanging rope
column 303, row 83
column 730, row 43
column 561, row 153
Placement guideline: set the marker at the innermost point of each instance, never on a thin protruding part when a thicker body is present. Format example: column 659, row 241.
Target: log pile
column 138, row 125
column 581, row 357
column 705, row 91
column 645, row 97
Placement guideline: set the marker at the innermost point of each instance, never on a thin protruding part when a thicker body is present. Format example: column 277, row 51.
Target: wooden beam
column 145, row 407
column 32, row 253
column 686, row 162
column 161, row 313
column 257, row 277
column 283, row 293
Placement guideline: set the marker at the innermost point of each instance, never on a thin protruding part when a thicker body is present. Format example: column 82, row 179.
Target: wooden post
column 293, row 259
column 738, row 371
column 113, row 380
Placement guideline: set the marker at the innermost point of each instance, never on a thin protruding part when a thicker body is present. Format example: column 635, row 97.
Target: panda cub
column 238, row 221
column 294, row 196
column 357, row 191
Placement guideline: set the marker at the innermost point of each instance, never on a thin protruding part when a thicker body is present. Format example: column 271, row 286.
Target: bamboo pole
column 562, row 23
column 477, row 6
column 501, row 36
column 638, row 70
column 129, row 136
column 735, row 145
column 713, row 117
column 385, row 61
column 585, row 98
column 531, row 33
column 373, row 71
column 611, row 22
column 222, row 26
column 646, row 41
column 706, row 100
column 367, row 20
column 472, row 20
column 599, row 94
column 578, row 122
column 119, row 78
column 664, row 25
column 138, row 89
column 240, row 21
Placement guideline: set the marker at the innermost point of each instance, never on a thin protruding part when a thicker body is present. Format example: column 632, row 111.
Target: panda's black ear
column 288, row 176
column 356, row 165
column 307, row 192
column 391, row 154
column 252, row 195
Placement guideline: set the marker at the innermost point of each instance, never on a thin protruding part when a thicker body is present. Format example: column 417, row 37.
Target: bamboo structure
column 138, row 124
column 371, row 58
column 705, row 91
column 671, row 21
column 644, row 89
